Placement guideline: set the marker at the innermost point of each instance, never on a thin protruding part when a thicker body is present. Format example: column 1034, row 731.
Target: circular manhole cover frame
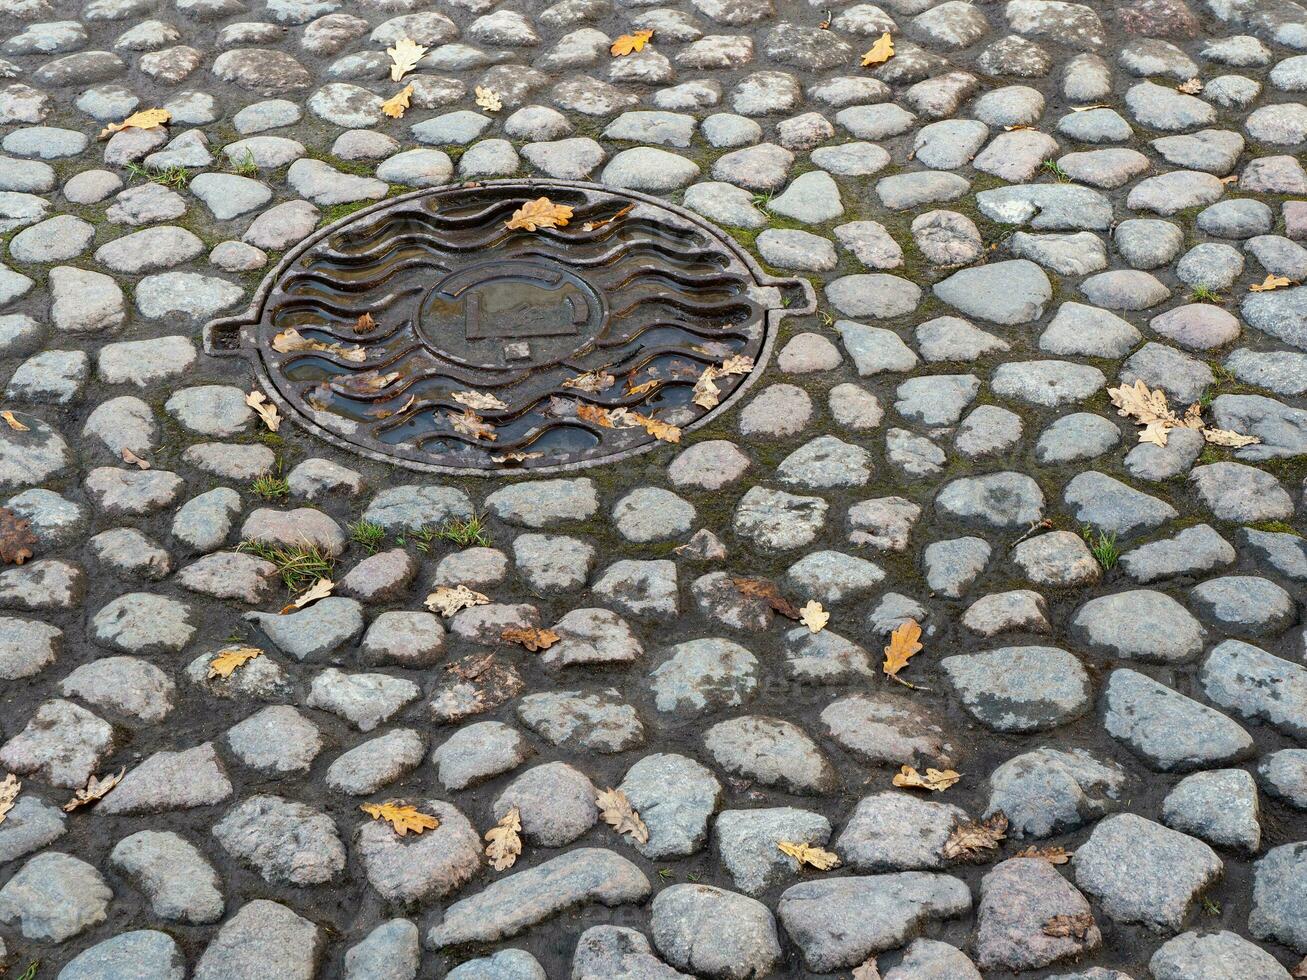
column 239, row 334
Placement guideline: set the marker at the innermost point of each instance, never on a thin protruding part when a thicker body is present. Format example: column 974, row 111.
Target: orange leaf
column 880, row 52
column 1269, row 283
column 532, row 637
column 540, row 213
column 402, row 817
column 904, row 644
column 628, row 43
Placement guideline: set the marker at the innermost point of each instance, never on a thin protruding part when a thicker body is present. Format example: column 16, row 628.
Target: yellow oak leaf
column 935, row 780
column 226, row 662
column 404, row 57
column 267, row 411
column 880, row 52
column 818, row 858
column 540, row 213
column 448, row 600
column 488, row 99
column 904, row 644
column 96, row 789
column 395, row 106
column 659, row 430
column 629, row 43
column 471, row 424
column 617, row 812
column 401, row 816
column 145, row 119
column 478, row 400
column 972, row 841
column 503, row 843
column 318, row 590
column 1269, row 283
column 814, row 616
column 592, row 381
column 291, row 341
column 1191, row 87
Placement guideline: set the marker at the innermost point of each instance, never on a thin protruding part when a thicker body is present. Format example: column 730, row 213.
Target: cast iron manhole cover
column 422, row 331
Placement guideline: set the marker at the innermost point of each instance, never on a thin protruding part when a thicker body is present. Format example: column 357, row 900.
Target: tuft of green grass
column 762, row 201
column 245, row 166
column 270, row 487
column 299, row 567
column 1055, row 168
column 1101, row 545
column 1202, row 294
column 465, row 533
column 175, row 177
column 1210, row 907
column 368, row 535
column 30, row 972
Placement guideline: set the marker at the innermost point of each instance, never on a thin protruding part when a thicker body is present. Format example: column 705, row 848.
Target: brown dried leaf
column 706, row 392
column 629, row 43
column 96, row 789
column 398, row 104
column 867, row 971
column 1075, row 926
column 404, row 57
column 16, row 538
column 1271, row 282
column 12, row 421
column 265, row 409
column 593, row 413
column 472, row 424
column 736, row 364
column 1147, row 407
column 617, row 812
column 401, row 816
column 766, row 590
column 904, row 644
column 8, row 793
column 1053, row 855
column 532, row 637
column 503, row 843
column 478, row 400
column 540, row 213
column 318, row 590
column 364, row 382
column 971, row 841
column 604, row 222
column 226, row 662
column 1191, row 87
column 291, row 340
column 813, row 616
column 365, row 323
column 880, row 52
column 935, row 780
column 145, row 119
column 655, row 428
column 488, row 99
column 817, row 857
column 134, row 460
column 1224, row 437
column 642, row 388
column 448, row 600
column 593, row 382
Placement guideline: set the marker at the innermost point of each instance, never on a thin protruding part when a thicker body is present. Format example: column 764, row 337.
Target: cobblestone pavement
column 1029, row 203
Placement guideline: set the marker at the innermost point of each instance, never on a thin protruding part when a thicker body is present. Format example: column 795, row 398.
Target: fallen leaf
column 12, row 422
column 488, row 99
column 318, row 590
column 593, row 382
column 133, row 459
column 1149, row 408
column 1224, row 437
column 706, row 392
column 365, row 382
column 1074, row 926
column 817, row 857
column 1017, row 128
column 766, row 590
column 617, row 812
column 825, row 22
column 265, row 409
column 971, row 841
column 16, row 538
column 1191, row 87
column 904, row 644
column 935, row 780
column 365, row 323
column 655, row 428
column 516, row 457
column 291, row 340
column 593, row 413
column 503, row 843
column 532, row 637
column 8, row 793
column 596, row 225
column 737, row 364
column 1230, row 179
column 867, row 971
column 629, row 43
column 880, row 52
column 643, row 388
column 397, row 104
column 1269, row 283
column 385, row 413
column 401, row 816
column 448, row 600
column 472, row 424
column 145, row 119
column 96, row 789
column 813, row 616
column 1053, row 855
column 404, row 57
column 226, row 662
column 540, row 213
column 478, row 400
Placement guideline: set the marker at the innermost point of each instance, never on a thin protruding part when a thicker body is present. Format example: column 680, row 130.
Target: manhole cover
column 422, row 331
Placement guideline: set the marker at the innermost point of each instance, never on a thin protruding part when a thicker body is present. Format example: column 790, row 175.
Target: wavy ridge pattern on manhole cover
column 425, row 332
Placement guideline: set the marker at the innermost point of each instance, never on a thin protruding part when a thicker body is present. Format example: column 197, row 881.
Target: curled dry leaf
column 972, row 841
column 617, row 812
column 532, row 637
column 935, row 780
column 1150, row 409
column 630, row 43
column 813, row 616
column 766, row 590
column 643, row 388
column 145, row 119
column 291, row 341
column 540, row 213
column 592, row 381
column 265, row 409
column 12, row 422
column 604, row 222
column 96, row 789
column 867, row 971
column 1224, row 437
column 1191, row 87
column 659, row 430
column 226, row 662
column 318, row 590
column 16, row 538
column 398, row 104
column 488, row 99
column 365, row 323
column 904, row 644
column 401, row 816
column 472, row 424
column 478, row 400
column 447, row 600
column 365, row 382
column 1075, row 926
column 404, row 57
column 1053, row 855
column 9, row 789
column 503, row 843
column 515, row 457
column 880, row 52
column 134, row 460
column 1271, row 282
column 817, row 857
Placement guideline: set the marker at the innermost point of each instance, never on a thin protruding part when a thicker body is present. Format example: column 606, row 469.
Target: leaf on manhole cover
column 532, row 637
column 816, row 857
column 1271, row 282
column 365, row 323
column 145, row 119
column 13, row 422
column 630, row 43
column 134, row 460
column 766, row 590
column 318, row 590
column 448, row 600
column 1075, row 926
column 488, row 99
column 593, row 413
column 226, row 662
column 592, row 381
column 472, row 424
column 515, row 457
column 617, row 812
column 904, row 644
column 265, row 409
column 478, row 400
column 813, row 616
column 397, row 104
column 656, row 428
column 8, row 793
column 291, row 340
column 365, row 382
column 503, row 844
column 935, row 780
column 96, row 789
column 971, row 841
column 404, row 57
column 1053, row 855
column 604, row 222
column 401, row 816
column 540, row 213
column 880, row 52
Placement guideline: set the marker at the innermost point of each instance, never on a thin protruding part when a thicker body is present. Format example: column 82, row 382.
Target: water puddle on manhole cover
column 423, row 331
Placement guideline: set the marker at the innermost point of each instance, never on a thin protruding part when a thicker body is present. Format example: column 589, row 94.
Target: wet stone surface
column 1029, row 204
